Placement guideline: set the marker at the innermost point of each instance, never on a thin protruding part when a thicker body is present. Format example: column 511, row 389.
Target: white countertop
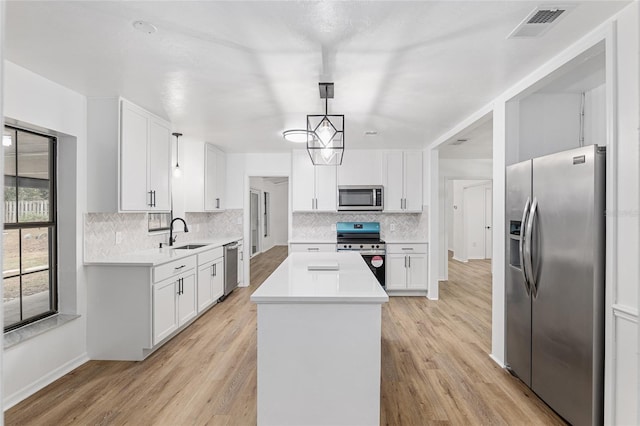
column 292, row 282
column 158, row 256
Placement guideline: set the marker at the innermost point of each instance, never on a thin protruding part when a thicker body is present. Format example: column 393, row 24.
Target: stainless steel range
column 364, row 237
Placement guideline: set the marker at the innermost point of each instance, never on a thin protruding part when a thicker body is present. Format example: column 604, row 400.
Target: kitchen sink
column 189, row 246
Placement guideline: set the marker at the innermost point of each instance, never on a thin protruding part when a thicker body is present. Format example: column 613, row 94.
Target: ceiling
column 239, row 73
column 478, row 142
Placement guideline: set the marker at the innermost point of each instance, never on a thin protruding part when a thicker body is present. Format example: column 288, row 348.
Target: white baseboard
column 460, row 260
column 27, row 391
column 497, row 361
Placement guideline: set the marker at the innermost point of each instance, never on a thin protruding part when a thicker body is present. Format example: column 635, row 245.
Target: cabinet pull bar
column 313, row 248
column 409, row 261
column 179, row 267
column 407, row 248
column 217, row 203
column 150, row 203
column 405, row 261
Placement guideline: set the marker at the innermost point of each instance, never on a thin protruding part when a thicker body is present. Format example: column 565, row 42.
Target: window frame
column 51, row 225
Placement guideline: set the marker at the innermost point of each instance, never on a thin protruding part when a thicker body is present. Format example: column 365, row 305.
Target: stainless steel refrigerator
column 555, row 280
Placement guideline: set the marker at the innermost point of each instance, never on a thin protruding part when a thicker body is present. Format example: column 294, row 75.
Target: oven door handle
column 372, row 253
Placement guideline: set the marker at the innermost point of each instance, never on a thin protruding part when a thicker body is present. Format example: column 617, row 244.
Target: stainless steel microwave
column 360, row 198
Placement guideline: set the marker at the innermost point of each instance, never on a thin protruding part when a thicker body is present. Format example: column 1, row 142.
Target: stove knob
column 377, row 246
column 372, row 246
column 361, row 246
column 349, row 245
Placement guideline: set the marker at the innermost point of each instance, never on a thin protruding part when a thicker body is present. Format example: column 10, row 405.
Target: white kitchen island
column 319, row 337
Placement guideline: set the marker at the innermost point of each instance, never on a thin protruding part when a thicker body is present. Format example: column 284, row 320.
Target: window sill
column 15, row 337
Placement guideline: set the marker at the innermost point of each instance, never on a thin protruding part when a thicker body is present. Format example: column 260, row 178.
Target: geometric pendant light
column 326, row 142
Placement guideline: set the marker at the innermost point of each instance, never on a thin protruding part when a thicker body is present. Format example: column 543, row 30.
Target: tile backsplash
column 100, row 231
column 321, row 226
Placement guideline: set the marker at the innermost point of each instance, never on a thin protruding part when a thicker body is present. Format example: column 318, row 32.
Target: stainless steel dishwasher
column 230, row 267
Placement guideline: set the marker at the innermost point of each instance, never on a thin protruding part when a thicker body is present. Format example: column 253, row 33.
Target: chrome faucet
column 172, row 239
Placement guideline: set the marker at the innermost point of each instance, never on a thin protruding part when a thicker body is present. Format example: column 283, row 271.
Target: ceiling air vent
column 538, row 22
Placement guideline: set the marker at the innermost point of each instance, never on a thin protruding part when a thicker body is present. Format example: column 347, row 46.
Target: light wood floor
column 436, row 367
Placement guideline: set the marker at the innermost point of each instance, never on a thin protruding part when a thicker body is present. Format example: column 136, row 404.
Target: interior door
column 488, row 220
column 255, row 221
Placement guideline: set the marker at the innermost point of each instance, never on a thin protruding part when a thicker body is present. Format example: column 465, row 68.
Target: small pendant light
column 177, row 172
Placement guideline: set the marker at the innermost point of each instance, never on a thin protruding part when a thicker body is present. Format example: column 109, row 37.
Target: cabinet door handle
column 215, row 270
column 217, row 203
column 405, row 261
column 150, row 204
column 313, row 248
column 409, row 261
column 407, row 248
column 177, row 268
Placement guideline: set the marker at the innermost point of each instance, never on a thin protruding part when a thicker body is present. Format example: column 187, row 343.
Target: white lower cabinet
column 210, row 283
column 406, row 267
column 133, row 309
column 174, row 304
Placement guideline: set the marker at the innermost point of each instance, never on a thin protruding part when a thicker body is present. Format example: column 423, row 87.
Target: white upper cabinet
column 205, row 177
column 313, row 187
column 403, row 181
column 130, row 152
column 361, row 167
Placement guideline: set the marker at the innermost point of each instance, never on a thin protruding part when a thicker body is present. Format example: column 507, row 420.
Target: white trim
column 497, row 360
column 611, row 221
column 51, row 377
column 625, row 312
column 460, row 260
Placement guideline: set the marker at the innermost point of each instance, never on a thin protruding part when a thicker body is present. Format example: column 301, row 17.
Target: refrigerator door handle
column 529, row 258
column 523, row 233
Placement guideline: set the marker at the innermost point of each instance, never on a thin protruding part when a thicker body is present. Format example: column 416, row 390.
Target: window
column 29, row 265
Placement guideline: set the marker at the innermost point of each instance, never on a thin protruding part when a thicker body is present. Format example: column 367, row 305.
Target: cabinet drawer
column 173, row 268
column 406, row 248
column 310, row 248
column 210, row 255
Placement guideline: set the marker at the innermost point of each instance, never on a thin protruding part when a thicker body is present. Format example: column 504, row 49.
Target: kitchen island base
column 319, row 364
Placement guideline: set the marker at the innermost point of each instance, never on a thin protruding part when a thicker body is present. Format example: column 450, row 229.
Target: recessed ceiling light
column 144, row 27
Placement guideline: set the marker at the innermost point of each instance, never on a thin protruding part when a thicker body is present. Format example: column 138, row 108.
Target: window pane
column 33, row 177
column 11, row 300
column 35, row 249
column 35, row 294
column 11, row 253
column 9, row 147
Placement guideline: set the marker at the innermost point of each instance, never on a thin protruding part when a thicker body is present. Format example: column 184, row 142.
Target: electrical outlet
column 392, row 227
column 118, row 237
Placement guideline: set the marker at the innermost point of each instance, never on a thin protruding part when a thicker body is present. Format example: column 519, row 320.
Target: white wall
column 32, row 99
column 623, row 219
column 241, row 165
column 450, row 170
column 279, row 205
column 1, row 213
